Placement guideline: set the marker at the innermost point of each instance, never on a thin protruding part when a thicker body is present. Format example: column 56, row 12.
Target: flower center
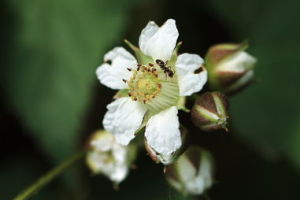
column 144, row 85
column 154, row 85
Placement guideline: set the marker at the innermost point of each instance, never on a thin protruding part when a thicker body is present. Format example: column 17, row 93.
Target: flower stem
column 48, row 177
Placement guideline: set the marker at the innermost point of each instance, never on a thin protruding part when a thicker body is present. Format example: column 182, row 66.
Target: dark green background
column 51, row 100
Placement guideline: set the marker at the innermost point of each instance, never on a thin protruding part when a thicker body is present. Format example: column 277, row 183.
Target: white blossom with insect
column 155, row 84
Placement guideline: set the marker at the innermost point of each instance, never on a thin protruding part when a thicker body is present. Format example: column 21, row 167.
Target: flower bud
column 192, row 172
column 229, row 67
column 209, row 112
column 168, row 159
column 109, row 158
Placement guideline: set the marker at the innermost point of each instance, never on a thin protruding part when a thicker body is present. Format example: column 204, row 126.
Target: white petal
column 107, row 164
column 238, row 63
column 242, row 81
column 162, row 132
column 123, row 118
column 189, row 81
column 111, row 75
column 119, row 174
column 121, row 166
column 203, row 179
column 146, row 34
column 159, row 42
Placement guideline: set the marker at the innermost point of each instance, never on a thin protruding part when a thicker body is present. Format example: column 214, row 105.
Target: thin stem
column 48, row 177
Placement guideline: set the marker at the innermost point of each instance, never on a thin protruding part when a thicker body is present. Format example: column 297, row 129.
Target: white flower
column 192, row 172
column 155, row 83
column 108, row 157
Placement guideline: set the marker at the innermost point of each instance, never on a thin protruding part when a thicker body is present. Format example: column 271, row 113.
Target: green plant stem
column 48, row 177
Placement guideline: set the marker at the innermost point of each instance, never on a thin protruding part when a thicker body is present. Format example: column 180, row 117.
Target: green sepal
column 181, row 104
column 174, row 56
column 140, row 56
column 121, row 93
column 141, row 129
column 132, row 153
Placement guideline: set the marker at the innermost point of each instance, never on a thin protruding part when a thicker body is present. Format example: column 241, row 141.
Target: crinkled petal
column 123, row 118
column 159, row 42
column 107, row 164
column 112, row 75
column 162, row 132
column 190, row 78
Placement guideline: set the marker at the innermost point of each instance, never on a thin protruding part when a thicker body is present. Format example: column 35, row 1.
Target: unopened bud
column 230, row 68
column 168, row 159
column 192, row 172
column 209, row 112
column 109, row 158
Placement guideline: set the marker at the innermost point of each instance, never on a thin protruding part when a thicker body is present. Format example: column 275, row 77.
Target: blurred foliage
column 12, row 170
column 56, row 48
column 268, row 112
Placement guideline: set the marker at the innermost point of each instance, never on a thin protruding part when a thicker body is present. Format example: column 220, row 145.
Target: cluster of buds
column 230, row 69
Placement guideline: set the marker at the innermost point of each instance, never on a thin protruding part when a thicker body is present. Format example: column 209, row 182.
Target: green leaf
column 57, row 47
column 267, row 113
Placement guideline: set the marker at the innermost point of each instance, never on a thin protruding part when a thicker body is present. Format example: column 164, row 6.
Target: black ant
column 162, row 65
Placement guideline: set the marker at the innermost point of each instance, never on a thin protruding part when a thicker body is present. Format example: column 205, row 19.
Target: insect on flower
column 167, row 70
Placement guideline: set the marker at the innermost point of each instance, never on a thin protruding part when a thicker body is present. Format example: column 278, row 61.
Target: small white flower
column 108, row 157
column 192, row 172
column 155, row 83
